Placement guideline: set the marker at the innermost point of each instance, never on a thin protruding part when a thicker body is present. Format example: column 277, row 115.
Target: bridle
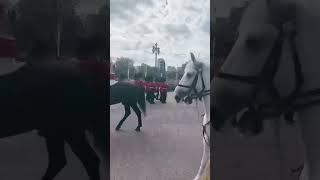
column 278, row 105
column 193, row 93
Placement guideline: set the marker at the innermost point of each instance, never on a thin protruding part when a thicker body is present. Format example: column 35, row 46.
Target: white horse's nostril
column 177, row 98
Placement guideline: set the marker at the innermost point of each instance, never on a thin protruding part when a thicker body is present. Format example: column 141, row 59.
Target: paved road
column 236, row 157
column 25, row 157
column 169, row 147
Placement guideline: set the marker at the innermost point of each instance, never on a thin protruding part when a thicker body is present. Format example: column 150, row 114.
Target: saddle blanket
column 113, row 82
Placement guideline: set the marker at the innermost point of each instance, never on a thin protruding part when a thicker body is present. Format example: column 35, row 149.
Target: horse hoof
column 137, row 129
column 117, row 128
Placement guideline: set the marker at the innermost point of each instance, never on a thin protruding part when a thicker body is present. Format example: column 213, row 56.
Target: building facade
column 162, row 67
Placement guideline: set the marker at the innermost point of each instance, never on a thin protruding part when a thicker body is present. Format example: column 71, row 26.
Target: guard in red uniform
column 7, row 47
column 163, row 91
column 153, row 89
column 149, row 88
column 157, row 86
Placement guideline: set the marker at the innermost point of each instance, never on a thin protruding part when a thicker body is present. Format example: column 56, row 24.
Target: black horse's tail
column 142, row 101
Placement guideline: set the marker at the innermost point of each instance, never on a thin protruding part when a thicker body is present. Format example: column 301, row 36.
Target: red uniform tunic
column 147, row 87
column 8, row 47
column 164, row 88
column 153, row 87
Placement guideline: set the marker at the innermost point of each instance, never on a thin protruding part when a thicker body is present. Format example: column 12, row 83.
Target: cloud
column 142, row 29
column 127, row 10
column 192, row 8
column 179, row 28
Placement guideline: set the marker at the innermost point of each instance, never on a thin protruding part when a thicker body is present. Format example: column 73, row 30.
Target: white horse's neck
column 206, row 99
column 206, row 102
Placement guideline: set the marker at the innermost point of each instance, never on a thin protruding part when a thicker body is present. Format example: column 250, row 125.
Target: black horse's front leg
column 57, row 158
column 126, row 114
column 81, row 147
column 138, row 113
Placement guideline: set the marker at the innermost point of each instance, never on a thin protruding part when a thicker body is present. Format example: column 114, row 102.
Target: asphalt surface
column 24, row 157
column 261, row 157
column 169, row 146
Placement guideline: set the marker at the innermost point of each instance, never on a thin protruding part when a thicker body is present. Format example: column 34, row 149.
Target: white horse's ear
column 193, row 58
column 199, row 66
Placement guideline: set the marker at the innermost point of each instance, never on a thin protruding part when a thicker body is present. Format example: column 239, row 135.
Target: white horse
column 277, row 47
column 195, row 84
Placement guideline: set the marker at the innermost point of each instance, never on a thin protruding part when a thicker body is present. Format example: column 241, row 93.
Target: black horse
column 61, row 103
column 129, row 95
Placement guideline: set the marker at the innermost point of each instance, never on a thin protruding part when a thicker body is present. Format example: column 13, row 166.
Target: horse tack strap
column 204, row 133
column 246, row 79
column 193, row 85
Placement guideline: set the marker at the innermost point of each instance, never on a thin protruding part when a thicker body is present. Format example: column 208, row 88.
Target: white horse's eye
column 189, row 75
column 253, row 42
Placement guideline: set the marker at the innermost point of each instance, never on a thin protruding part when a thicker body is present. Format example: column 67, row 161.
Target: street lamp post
column 156, row 51
column 177, row 73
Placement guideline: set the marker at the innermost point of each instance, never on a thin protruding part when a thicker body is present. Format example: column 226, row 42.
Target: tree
column 181, row 70
column 171, row 73
column 122, row 65
column 148, row 70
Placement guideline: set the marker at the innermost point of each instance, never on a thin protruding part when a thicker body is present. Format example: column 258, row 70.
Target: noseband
column 193, row 88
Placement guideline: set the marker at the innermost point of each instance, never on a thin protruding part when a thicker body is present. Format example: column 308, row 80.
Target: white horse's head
column 194, row 82
column 257, row 43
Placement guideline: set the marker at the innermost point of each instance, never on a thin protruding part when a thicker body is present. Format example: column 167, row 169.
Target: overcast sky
column 180, row 27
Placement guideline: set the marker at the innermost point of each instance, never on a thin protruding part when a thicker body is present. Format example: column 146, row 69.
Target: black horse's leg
column 81, row 147
column 127, row 113
column 57, row 157
column 138, row 113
